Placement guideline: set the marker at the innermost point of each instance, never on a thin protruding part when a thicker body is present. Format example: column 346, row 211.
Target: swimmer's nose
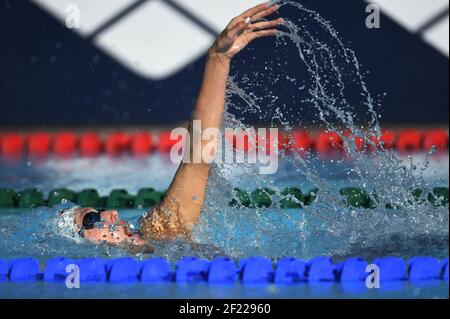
column 111, row 216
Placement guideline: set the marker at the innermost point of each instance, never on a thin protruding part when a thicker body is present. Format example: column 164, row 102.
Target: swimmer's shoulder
column 161, row 222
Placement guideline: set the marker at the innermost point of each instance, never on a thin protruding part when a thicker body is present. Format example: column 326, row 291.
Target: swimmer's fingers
column 248, row 37
column 243, row 26
column 225, row 41
column 254, row 13
column 265, row 13
column 255, row 10
column 266, row 24
column 263, row 33
column 239, row 33
column 237, row 30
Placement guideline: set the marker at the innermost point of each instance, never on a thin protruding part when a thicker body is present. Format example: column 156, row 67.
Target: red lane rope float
column 409, row 141
column 117, row 143
column 65, row 144
column 301, row 142
column 369, row 143
column 245, row 141
column 282, row 143
column 360, row 144
column 90, row 144
column 388, row 139
column 271, row 143
column 165, row 144
column 329, row 142
column 249, row 141
column 437, row 139
column 12, row 144
column 39, row 144
column 143, row 143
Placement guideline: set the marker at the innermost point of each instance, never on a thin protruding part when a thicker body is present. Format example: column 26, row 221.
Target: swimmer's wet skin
column 179, row 211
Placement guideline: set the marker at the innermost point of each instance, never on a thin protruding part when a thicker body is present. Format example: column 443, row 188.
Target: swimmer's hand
column 244, row 29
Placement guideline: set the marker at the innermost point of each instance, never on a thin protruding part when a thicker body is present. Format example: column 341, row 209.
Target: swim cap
column 65, row 221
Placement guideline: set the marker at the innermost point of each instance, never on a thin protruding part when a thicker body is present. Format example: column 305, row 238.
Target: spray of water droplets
column 329, row 77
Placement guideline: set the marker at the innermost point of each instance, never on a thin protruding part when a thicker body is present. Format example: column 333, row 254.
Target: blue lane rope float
column 4, row 270
column 55, row 269
column 253, row 270
column 222, row 271
column 124, row 270
column 321, row 269
column 352, row 270
column 24, row 269
column 92, row 270
column 424, row 268
column 290, row 270
column 192, row 269
column 445, row 269
column 156, row 270
column 391, row 268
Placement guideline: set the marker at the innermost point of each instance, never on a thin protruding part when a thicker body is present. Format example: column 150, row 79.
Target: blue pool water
column 237, row 233
column 428, row 290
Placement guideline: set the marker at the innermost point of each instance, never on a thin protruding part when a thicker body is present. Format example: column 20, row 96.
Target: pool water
column 235, row 232
column 223, row 231
column 424, row 290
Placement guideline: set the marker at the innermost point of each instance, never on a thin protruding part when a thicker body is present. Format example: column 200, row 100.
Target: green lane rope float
column 439, row 196
column 30, row 198
column 56, row 196
column 88, row 198
column 148, row 197
column 262, row 197
column 294, row 198
column 290, row 198
column 7, row 198
column 120, row 199
column 357, row 197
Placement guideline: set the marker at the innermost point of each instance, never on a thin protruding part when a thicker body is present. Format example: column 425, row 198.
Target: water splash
column 341, row 102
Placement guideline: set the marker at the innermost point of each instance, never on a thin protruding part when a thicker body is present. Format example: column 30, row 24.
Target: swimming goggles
column 91, row 218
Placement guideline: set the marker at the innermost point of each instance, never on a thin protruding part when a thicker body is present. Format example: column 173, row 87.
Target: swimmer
column 180, row 209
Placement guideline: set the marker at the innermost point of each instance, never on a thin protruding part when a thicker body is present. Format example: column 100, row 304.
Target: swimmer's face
column 110, row 228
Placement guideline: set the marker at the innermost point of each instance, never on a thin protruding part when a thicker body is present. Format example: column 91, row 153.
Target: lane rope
column 289, row 198
column 91, row 144
column 253, row 270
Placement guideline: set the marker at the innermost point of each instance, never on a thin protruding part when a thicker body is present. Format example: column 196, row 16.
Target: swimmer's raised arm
column 181, row 207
